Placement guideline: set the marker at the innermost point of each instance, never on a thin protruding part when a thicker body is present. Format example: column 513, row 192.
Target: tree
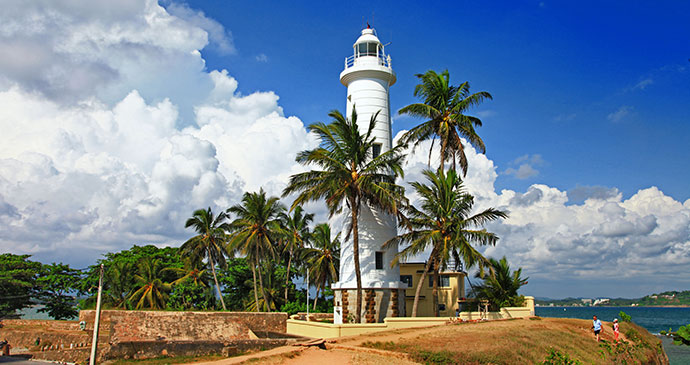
column 443, row 107
column 445, row 225
column 254, row 232
column 236, row 278
column 296, row 227
column 17, row 282
column 152, row 289
column 349, row 176
column 210, row 242
column 186, row 295
column 501, row 289
column 118, row 278
column 56, row 281
column 323, row 258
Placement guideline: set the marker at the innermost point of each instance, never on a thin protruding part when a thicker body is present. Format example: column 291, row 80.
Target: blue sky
column 119, row 119
column 559, row 72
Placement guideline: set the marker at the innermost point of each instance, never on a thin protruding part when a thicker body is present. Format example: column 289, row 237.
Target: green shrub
column 682, row 336
column 556, row 357
column 434, row 357
column 625, row 317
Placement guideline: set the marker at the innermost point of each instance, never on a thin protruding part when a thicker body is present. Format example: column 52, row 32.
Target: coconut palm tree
column 209, row 243
column 254, row 232
column 443, row 108
column 349, row 176
column 501, row 289
column 323, row 258
column 152, row 289
column 118, row 279
column 296, row 227
column 445, row 225
column 191, row 270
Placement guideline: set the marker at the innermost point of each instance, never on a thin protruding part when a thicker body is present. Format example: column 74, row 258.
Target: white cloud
column 262, row 58
column 603, row 238
column 525, row 166
column 84, row 171
column 643, row 84
column 620, row 114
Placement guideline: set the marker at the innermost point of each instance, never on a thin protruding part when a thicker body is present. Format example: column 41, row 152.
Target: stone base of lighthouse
column 377, row 304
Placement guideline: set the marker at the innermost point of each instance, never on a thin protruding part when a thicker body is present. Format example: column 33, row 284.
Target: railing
column 384, row 61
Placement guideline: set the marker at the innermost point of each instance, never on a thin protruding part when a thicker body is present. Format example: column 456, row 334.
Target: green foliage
column 210, row 243
column 186, row 295
column 501, row 289
column 446, row 225
column 624, row 317
column 255, row 233
column 434, row 357
column 555, row 357
column 56, row 281
column 18, row 283
column 442, row 108
column 294, row 307
column 236, row 280
column 118, row 279
column 682, row 336
column 153, row 291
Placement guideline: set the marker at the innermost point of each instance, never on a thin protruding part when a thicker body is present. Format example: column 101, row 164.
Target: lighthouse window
column 376, row 150
column 367, row 49
column 379, row 260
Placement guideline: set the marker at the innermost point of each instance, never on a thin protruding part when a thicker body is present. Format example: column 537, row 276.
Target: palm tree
column 323, row 258
column 296, row 227
column 443, row 109
column 501, row 289
column 349, row 176
column 444, row 224
column 191, row 270
column 209, row 243
column 118, row 279
column 152, row 289
column 254, row 232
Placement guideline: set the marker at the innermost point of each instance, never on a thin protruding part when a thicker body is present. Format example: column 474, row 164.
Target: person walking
column 596, row 326
column 616, row 330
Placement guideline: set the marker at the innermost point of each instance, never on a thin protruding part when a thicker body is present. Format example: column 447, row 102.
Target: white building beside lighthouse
column 368, row 76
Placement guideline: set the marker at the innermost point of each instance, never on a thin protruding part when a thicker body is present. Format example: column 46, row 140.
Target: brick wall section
column 377, row 303
column 132, row 326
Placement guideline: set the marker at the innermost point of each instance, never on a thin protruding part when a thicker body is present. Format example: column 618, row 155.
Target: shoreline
column 614, row 306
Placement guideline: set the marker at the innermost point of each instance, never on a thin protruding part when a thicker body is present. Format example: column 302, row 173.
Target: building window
column 443, row 281
column 441, row 307
column 379, row 260
column 407, row 279
column 376, row 150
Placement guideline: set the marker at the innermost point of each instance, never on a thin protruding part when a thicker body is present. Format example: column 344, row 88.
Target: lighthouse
column 368, row 76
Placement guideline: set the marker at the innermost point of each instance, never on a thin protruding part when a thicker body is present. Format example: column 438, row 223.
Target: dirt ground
column 498, row 342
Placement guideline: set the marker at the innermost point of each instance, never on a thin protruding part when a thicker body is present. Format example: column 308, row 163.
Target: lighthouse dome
column 367, row 36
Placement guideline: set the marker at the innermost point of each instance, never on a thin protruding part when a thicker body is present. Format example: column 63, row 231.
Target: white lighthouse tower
column 368, row 76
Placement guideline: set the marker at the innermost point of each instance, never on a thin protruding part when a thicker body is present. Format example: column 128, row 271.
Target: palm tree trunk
column 419, row 286
column 355, row 247
column 256, row 292
column 444, row 145
column 261, row 286
column 287, row 276
column 215, row 278
column 434, row 292
column 318, row 287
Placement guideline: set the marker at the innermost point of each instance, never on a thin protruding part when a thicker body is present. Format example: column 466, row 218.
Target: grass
column 524, row 342
column 168, row 360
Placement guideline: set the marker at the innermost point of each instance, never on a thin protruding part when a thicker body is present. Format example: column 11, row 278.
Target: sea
column 654, row 319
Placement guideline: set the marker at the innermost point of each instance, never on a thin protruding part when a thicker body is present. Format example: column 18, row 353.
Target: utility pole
column 94, row 342
column 307, row 294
